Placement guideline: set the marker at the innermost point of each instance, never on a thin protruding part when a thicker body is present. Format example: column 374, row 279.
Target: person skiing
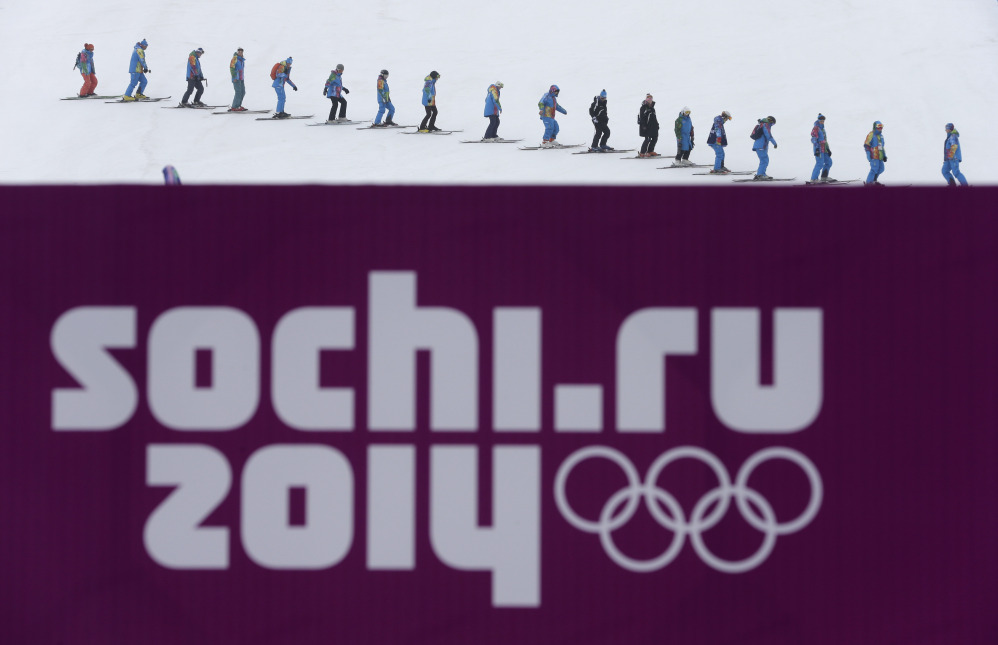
column 237, row 69
column 600, row 119
column 430, row 103
column 549, row 109
column 137, row 68
column 875, row 153
column 384, row 101
column 85, row 63
column 763, row 137
column 333, row 91
column 684, row 138
column 194, row 78
column 282, row 76
column 952, row 157
column 822, row 153
column 717, row 139
column 648, row 127
column 492, row 111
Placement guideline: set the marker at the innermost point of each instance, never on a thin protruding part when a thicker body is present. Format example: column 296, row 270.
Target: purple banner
column 500, row 416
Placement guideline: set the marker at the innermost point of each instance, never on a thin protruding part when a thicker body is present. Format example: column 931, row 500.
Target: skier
column 194, row 78
column 648, row 127
column 763, row 137
column 875, row 153
column 684, row 138
column 430, row 103
column 600, row 119
column 85, row 62
column 384, row 101
column 549, row 109
column 237, row 68
column 138, row 69
column 333, row 91
column 822, row 153
column 492, row 111
column 717, row 140
column 282, row 76
column 952, row 157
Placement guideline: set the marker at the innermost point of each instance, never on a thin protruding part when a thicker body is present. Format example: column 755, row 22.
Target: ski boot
column 128, row 99
column 140, row 95
column 720, row 171
column 762, row 178
column 605, row 149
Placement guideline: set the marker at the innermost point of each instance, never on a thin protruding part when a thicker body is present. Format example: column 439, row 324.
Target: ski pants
column 876, row 169
column 763, row 161
column 138, row 78
column 240, row 89
column 192, row 83
column 681, row 151
column 340, row 101
column 280, row 98
column 951, row 170
column 648, row 145
column 822, row 164
column 718, row 155
column 89, row 84
column 381, row 110
column 601, row 136
column 492, row 131
column 550, row 128
column 430, row 120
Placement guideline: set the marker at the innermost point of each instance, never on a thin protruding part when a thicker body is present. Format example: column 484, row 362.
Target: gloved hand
column 885, row 158
column 146, row 70
column 294, row 87
column 323, row 92
column 346, row 91
column 775, row 146
column 595, row 121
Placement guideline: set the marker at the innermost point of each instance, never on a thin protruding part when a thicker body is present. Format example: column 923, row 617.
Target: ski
column 725, row 174
column 347, row 122
column 659, row 158
column 557, row 147
column 85, row 98
column 494, row 141
column 830, row 182
column 191, row 107
column 287, row 118
column 433, row 132
column 243, row 112
column 695, row 165
column 146, row 100
column 765, row 181
column 590, row 151
column 386, row 127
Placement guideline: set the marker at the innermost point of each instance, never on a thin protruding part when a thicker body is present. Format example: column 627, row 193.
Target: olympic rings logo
column 746, row 499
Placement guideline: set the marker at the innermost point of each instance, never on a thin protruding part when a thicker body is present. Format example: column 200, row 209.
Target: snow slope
column 913, row 64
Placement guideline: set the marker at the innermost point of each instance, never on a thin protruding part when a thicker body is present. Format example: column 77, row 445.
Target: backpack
column 77, row 61
column 756, row 132
column 275, row 70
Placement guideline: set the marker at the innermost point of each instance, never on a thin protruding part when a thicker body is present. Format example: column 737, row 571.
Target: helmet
column 434, row 75
column 602, row 94
column 950, row 127
column 726, row 114
column 877, row 125
column 384, row 72
column 340, row 68
column 143, row 44
column 771, row 119
column 89, row 47
column 686, row 110
column 499, row 84
column 821, row 117
column 554, row 89
column 289, row 60
column 199, row 50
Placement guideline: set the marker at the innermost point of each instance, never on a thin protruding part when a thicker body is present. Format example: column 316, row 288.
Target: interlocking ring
column 622, row 505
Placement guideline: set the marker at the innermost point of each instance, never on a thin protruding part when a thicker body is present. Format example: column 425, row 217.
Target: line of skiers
column 548, row 109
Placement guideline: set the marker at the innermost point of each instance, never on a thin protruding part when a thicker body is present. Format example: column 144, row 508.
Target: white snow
column 913, row 64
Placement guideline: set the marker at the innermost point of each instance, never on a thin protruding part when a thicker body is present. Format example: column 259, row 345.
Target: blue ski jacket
column 951, row 148
column 492, row 105
column 138, row 62
column 429, row 91
column 717, row 134
column 193, row 65
column 384, row 98
column 762, row 143
column 334, row 84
